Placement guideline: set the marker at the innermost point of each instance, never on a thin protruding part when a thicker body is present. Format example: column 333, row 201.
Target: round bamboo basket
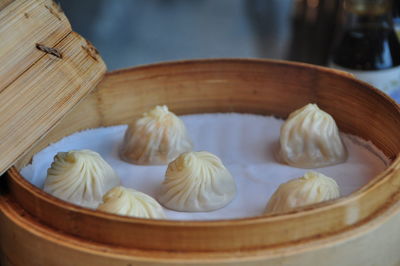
column 359, row 229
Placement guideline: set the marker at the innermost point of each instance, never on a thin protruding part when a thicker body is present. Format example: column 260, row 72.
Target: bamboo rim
column 373, row 198
column 29, row 224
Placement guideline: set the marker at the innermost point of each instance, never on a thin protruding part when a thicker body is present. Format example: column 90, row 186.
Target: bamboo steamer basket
column 38, row 229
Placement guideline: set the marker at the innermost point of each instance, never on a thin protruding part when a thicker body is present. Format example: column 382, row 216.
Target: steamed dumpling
column 310, row 139
column 127, row 201
column 81, row 177
column 314, row 187
column 196, row 182
column 156, row 138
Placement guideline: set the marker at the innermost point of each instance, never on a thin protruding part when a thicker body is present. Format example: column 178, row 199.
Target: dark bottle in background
column 396, row 16
column 312, row 26
column 368, row 46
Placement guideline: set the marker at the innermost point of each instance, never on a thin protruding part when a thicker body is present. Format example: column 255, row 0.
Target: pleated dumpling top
column 196, row 182
column 157, row 138
column 129, row 202
column 81, row 177
column 312, row 188
column 309, row 138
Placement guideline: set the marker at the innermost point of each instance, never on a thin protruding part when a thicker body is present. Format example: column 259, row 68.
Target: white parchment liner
column 246, row 145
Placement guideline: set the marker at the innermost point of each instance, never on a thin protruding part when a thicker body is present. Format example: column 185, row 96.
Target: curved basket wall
column 227, row 85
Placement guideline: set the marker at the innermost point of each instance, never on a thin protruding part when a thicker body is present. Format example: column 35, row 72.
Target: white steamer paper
column 245, row 143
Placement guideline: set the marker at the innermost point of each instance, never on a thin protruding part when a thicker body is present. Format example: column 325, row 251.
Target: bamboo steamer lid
column 45, row 70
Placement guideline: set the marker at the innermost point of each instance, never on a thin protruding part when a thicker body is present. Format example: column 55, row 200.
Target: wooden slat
column 5, row 3
column 38, row 88
column 23, row 24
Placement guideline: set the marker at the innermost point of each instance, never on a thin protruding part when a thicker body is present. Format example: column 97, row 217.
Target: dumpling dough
column 314, row 187
column 156, row 138
column 80, row 177
column 197, row 182
column 310, row 139
column 127, row 201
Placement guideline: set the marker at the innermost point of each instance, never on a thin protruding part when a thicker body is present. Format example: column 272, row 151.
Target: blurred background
column 136, row 32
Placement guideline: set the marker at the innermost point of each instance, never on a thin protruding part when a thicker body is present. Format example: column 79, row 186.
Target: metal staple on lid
column 49, row 50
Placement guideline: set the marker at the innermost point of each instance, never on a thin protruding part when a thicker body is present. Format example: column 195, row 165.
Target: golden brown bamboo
column 373, row 243
column 23, row 24
column 5, row 3
column 46, row 69
column 250, row 86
